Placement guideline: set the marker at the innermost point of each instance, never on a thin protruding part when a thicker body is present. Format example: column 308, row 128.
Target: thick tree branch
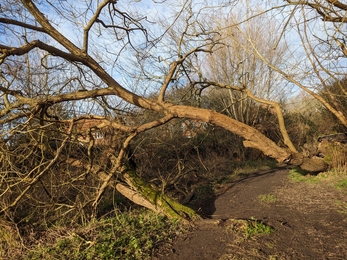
column 6, row 51
column 21, row 24
column 90, row 24
column 326, row 11
column 338, row 4
column 46, row 25
column 252, row 135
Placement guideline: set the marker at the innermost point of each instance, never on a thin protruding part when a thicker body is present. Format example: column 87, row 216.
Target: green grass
column 298, row 175
column 125, row 236
column 249, row 167
column 341, row 184
column 334, row 178
column 341, row 207
column 254, row 228
column 267, row 198
column 250, row 228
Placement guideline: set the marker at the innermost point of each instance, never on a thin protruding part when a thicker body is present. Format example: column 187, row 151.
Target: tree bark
column 143, row 194
column 253, row 137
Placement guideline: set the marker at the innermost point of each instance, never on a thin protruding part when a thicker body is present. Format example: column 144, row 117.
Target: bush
column 335, row 154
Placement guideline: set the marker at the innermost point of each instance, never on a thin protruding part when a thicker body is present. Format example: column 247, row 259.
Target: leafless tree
column 87, row 51
column 253, row 87
column 315, row 32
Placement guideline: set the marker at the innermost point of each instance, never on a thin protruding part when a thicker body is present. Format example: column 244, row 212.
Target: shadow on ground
column 305, row 218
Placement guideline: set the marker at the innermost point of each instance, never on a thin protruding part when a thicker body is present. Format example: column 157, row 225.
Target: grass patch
column 341, row 207
column 342, row 184
column 333, row 178
column 130, row 235
column 255, row 228
column 249, row 167
column 250, row 228
column 267, row 198
column 298, row 175
column 9, row 239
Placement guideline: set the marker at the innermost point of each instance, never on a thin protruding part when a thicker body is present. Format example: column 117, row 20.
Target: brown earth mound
column 307, row 219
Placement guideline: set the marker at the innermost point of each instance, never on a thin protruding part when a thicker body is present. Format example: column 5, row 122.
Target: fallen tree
column 23, row 110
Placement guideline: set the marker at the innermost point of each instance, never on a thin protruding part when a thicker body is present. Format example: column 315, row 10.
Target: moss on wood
column 168, row 206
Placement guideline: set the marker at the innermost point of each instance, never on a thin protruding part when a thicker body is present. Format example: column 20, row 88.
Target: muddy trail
column 304, row 217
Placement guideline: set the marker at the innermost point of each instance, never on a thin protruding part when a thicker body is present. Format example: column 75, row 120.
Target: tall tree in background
column 254, row 89
column 315, row 33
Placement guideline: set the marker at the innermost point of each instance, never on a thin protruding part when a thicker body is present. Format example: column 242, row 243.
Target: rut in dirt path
column 304, row 216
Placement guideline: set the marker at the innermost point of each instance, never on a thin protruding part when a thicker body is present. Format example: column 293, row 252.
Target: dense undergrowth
column 124, row 232
column 122, row 235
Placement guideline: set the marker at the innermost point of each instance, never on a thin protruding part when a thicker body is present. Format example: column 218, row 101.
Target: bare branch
column 119, row 161
column 46, row 25
column 39, row 175
column 18, row 51
column 338, row 4
column 90, row 24
column 21, row 24
column 326, row 12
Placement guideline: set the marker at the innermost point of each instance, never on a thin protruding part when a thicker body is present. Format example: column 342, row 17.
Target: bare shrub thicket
column 51, row 79
column 307, row 119
column 49, row 174
column 184, row 154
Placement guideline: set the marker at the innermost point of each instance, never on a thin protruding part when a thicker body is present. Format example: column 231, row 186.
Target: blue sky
column 106, row 49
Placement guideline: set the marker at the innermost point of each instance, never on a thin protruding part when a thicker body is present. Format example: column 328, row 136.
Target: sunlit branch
column 119, row 160
column 318, row 97
column 279, row 113
column 90, row 24
column 41, row 18
column 21, row 24
column 18, row 51
column 325, row 11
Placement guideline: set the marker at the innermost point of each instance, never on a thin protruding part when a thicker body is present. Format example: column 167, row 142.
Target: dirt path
column 305, row 218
